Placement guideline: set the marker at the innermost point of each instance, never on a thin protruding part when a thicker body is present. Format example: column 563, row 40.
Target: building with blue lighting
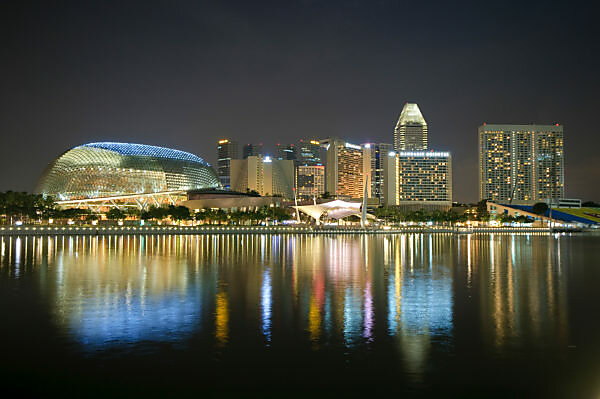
column 107, row 169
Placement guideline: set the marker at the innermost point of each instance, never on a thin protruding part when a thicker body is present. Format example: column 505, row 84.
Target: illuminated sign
column 225, row 141
column 430, row 154
column 353, row 146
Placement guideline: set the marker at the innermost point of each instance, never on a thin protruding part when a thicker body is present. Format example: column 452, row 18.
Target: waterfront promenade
column 207, row 229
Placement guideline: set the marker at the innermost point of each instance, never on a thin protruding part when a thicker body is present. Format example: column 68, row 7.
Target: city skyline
column 182, row 76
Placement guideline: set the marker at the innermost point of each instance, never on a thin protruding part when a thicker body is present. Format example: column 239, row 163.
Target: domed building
column 106, row 169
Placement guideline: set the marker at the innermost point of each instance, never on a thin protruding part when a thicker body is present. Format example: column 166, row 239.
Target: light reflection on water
column 344, row 290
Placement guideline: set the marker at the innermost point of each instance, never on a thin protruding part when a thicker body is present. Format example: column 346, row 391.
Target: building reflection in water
column 266, row 303
column 120, row 290
column 345, row 291
column 522, row 292
column 419, row 295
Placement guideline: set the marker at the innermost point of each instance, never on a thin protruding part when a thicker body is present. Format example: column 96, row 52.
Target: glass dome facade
column 110, row 169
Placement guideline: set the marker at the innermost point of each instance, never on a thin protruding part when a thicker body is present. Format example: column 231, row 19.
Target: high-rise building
column 521, row 162
column 263, row 175
column 226, row 151
column 310, row 180
column 424, row 180
column 286, row 152
column 411, row 130
column 346, row 167
column 309, row 152
column 252, row 150
column 379, row 154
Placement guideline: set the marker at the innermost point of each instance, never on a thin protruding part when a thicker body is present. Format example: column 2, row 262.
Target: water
column 299, row 315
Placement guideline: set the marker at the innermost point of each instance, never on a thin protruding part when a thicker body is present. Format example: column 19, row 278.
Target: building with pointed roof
column 411, row 130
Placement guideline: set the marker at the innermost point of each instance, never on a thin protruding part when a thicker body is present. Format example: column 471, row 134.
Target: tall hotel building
column 411, row 130
column 425, row 179
column 226, row 151
column 521, row 162
column 347, row 165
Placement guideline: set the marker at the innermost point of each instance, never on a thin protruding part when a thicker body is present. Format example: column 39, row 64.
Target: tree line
column 35, row 208
column 25, row 207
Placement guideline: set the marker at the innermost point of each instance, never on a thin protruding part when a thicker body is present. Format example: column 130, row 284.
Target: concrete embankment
column 176, row 230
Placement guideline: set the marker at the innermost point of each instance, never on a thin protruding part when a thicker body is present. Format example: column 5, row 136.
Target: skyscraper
column 521, row 162
column 411, row 130
column 424, row 180
column 286, row 152
column 345, row 168
column 226, row 151
column 309, row 152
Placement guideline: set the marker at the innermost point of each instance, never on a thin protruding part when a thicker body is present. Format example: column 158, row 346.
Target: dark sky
column 183, row 74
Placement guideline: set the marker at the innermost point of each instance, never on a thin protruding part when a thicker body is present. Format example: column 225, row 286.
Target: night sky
column 184, row 74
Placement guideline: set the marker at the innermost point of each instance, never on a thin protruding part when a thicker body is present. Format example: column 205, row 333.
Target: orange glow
column 222, row 319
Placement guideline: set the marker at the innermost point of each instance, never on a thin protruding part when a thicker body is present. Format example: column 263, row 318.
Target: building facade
column 522, row 163
column 310, row 181
column 411, row 130
column 389, row 184
column 226, row 151
column 424, row 180
column 346, row 167
column 263, row 175
column 309, row 152
column 378, row 157
column 286, row 152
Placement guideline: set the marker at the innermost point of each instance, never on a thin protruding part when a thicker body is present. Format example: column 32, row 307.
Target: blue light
column 146, row 150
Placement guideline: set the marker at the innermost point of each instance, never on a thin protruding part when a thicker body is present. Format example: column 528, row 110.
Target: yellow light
column 224, row 141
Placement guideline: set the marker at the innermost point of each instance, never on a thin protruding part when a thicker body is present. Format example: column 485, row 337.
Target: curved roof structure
column 107, row 169
column 336, row 209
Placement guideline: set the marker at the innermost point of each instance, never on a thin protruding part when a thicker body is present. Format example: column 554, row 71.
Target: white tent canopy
column 336, row 209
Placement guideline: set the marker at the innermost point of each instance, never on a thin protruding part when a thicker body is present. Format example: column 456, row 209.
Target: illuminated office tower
column 226, row 151
column 379, row 154
column 286, row 152
column 252, row 150
column 346, row 167
column 310, row 181
column 424, row 180
column 523, row 163
column 309, row 152
column 411, row 130
column 263, row 175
